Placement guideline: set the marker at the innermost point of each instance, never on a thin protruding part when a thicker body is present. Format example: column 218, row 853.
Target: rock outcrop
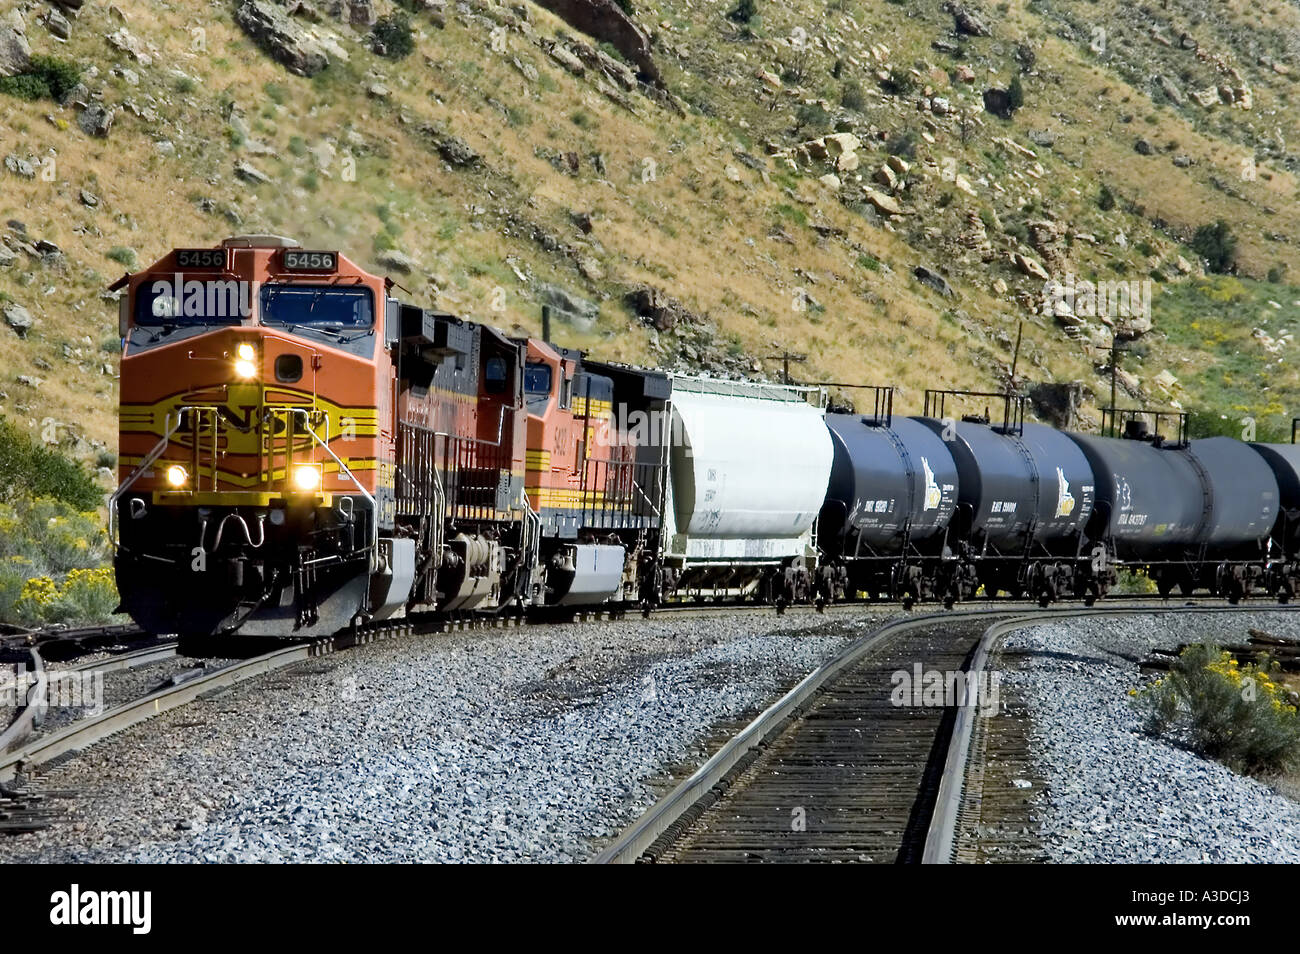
column 282, row 39
column 604, row 20
column 15, row 54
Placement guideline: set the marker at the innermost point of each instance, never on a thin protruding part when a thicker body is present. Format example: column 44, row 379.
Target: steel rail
column 29, row 716
column 636, row 839
column 628, row 847
column 82, row 734
column 30, row 713
column 941, row 836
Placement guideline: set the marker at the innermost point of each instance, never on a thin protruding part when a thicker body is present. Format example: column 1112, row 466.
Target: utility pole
column 785, row 357
column 1115, row 351
column 1015, row 357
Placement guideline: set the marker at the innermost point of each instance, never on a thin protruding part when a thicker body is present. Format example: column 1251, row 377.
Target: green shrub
column 394, row 33
column 53, row 563
column 852, row 97
column 743, row 12
column 1130, row 583
column 811, row 116
column 1239, row 715
column 24, row 86
column 1217, row 245
column 901, row 82
column 122, row 255
column 1015, row 94
column 46, row 77
column 27, row 466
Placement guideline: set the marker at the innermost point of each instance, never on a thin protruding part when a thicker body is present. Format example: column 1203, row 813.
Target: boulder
column 20, row 167
column 250, row 173
column 966, row 21
column 58, row 25
column 882, row 202
column 361, row 13
column 1171, row 90
column 1207, row 97
column 932, row 279
column 577, row 311
column 18, row 318
column 15, row 54
column 998, row 102
column 1029, row 266
column 395, row 261
column 281, row 37
column 840, row 143
column 566, row 58
column 1057, row 403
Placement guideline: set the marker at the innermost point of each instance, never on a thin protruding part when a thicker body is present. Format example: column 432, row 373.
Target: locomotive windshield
column 342, row 316
column 318, row 306
column 175, row 303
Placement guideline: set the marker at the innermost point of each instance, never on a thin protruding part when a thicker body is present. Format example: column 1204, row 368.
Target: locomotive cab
column 250, row 440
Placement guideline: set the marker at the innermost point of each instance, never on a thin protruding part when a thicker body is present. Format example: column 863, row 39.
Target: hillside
column 844, row 179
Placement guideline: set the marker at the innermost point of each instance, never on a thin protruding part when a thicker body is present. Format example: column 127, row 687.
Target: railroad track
column 834, row 772
column 30, row 714
column 19, row 758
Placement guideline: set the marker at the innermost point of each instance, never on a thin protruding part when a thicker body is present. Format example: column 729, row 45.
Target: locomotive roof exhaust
column 260, row 241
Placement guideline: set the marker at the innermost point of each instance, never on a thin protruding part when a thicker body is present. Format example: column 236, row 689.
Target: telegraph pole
column 1115, row 351
column 785, row 357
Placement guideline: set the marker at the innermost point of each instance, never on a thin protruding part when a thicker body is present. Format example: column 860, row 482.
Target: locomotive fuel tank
column 889, row 483
column 1018, row 490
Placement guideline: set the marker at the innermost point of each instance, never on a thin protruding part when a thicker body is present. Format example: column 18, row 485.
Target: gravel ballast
column 1116, row 794
column 498, row 745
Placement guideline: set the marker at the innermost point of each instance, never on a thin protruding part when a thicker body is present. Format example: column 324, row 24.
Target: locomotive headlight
column 245, row 362
column 176, row 475
column 306, row 477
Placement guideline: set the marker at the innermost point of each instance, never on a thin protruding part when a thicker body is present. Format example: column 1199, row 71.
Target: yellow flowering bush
column 36, row 599
column 53, row 564
column 1241, row 715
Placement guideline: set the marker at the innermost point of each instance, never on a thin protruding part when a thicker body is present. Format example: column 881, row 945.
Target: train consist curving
column 301, row 452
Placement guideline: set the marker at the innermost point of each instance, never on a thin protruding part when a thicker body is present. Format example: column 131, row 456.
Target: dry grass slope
column 765, row 254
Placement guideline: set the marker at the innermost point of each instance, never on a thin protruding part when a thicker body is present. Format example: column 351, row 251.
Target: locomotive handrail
column 345, row 470
column 146, row 462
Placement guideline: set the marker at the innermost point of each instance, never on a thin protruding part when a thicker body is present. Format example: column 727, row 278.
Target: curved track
column 832, row 771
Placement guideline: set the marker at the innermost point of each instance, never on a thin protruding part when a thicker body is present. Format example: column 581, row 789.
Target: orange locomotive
column 300, row 452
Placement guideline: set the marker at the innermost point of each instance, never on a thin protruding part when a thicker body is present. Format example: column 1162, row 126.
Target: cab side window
column 537, row 386
column 495, row 375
